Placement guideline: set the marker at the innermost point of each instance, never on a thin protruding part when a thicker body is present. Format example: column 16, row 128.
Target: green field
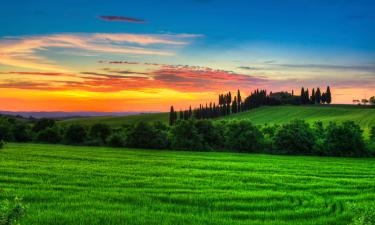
column 117, row 121
column 87, row 185
column 267, row 114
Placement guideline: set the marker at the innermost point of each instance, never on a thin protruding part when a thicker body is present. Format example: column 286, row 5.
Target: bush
column 100, row 133
column 2, row 143
column 212, row 135
column 75, row 134
column 11, row 212
column 243, row 136
column 295, row 137
column 5, row 130
column 145, row 135
column 345, row 139
column 49, row 135
column 21, row 132
column 42, row 124
column 372, row 134
column 116, row 140
column 185, row 136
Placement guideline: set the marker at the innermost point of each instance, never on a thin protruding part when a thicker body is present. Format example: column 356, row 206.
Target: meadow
column 365, row 117
column 97, row 185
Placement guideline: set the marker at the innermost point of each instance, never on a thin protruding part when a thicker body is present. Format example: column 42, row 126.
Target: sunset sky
column 101, row 55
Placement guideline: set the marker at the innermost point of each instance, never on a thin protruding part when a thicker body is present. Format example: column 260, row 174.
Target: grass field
column 87, row 185
column 117, row 121
column 267, row 114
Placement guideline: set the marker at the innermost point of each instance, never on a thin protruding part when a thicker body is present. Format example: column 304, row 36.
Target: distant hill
column 59, row 114
column 365, row 117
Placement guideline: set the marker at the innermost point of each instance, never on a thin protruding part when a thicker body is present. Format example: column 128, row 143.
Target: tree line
column 294, row 138
column 230, row 104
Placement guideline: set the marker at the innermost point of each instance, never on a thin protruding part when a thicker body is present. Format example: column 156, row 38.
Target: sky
column 102, row 55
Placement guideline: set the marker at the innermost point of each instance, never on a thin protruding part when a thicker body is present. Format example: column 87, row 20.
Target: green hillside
column 267, row 114
column 90, row 185
column 282, row 114
column 117, row 121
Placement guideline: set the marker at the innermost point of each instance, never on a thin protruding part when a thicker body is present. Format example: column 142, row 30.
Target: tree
column 239, row 100
column 372, row 133
column 356, row 101
column 303, row 95
column 75, row 134
column 345, row 139
column 43, row 124
column 145, row 135
column 295, row 137
column 185, row 136
column 116, row 140
column 312, row 98
column 328, row 95
column 212, row 134
column 234, row 105
column 372, row 100
column 243, row 136
column 318, row 96
column 324, row 98
column 49, row 135
column 172, row 116
column 365, row 101
column 100, row 132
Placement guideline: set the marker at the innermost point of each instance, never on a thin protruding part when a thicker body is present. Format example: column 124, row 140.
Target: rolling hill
column 365, row 117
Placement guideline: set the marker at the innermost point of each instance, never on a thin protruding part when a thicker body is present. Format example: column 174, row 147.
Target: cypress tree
column 172, row 118
column 234, row 105
column 302, row 97
column 307, row 100
column 239, row 100
column 181, row 115
column 318, row 96
column 328, row 95
column 312, row 98
column 324, row 97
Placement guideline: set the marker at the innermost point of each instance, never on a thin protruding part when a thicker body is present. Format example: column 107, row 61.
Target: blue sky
column 290, row 43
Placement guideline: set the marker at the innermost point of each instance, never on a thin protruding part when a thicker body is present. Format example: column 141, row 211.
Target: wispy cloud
column 174, row 77
column 121, row 19
column 23, row 51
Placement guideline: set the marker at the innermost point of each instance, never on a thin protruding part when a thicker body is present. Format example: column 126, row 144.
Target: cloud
column 25, row 51
column 174, row 77
column 121, row 19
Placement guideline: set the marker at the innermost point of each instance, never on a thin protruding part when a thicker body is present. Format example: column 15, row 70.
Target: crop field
column 92, row 185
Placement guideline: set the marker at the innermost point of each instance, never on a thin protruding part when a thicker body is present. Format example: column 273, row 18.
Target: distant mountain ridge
column 62, row 114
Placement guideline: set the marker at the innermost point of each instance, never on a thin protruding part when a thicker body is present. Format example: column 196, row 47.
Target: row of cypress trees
column 229, row 104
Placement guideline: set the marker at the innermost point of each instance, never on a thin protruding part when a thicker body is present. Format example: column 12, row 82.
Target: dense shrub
column 344, row 139
column 100, row 132
column 42, row 124
column 6, row 130
column 2, row 143
column 295, row 137
column 12, row 212
column 116, row 140
column 49, row 135
column 185, row 136
column 372, row 134
column 212, row 135
column 145, row 135
column 21, row 132
column 243, row 136
column 75, row 134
